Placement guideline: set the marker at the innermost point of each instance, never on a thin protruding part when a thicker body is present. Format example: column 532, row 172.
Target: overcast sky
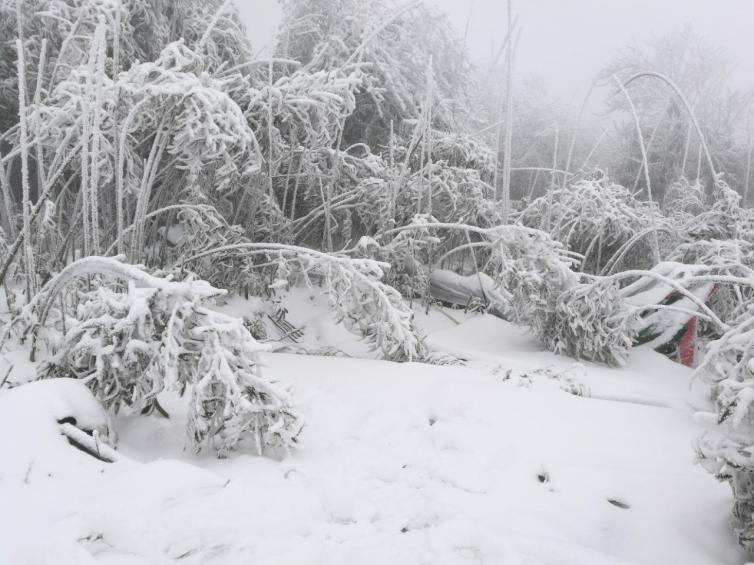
column 566, row 42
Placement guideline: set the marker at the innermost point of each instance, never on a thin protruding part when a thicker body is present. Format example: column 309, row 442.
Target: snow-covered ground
column 494, row 462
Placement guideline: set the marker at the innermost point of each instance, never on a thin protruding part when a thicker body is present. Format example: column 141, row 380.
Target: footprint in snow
column 618, row 503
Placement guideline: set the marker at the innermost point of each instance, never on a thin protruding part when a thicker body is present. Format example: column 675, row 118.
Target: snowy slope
column 489, row 463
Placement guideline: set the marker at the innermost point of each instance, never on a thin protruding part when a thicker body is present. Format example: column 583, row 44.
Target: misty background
column 566, row 44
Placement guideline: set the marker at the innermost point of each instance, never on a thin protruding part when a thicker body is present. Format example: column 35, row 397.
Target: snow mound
column 31, row 415
column 518, row 457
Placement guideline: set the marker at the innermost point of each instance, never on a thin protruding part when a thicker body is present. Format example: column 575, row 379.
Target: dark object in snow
column 618, row 503
column 543, row 477
column 7, row 374
column 86, row 440
column 288, row 331
column 152, row 406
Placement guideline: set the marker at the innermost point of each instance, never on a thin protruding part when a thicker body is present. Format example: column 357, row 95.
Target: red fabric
column 687, row 347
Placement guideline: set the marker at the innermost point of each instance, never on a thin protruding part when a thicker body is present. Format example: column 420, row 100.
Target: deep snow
column 494, row 462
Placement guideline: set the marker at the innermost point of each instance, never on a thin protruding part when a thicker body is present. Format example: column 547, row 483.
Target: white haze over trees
column 359, row 282
column 567, row 43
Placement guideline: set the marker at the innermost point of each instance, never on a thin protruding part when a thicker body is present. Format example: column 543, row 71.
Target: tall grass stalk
column 748, row 167
column 425, row 166
column 99, row 77
column 23, row 135
column 213, row 22
column 576, row 129
column 270, row 118
column 686, row 149
column 508, row 145
column 686, row 104
column 655, row 240
column 369, row 38
column 650, row 143
column 116, row 126
column 7, row 202
column 37, row 120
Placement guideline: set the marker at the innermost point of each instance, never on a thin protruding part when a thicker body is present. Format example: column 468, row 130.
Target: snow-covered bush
column 372, row 308
column 354, row 288
column 592, row 323
column 721, row 238
column 725, row 219
column 408, row 254
column 725, row 450
column 159, row 335
column 456, row 149
column 458, row 195
column 534, row 270
column 585, row 321
column 595, row 218
column 393, row 48
column 536, row 287
column 684, row 197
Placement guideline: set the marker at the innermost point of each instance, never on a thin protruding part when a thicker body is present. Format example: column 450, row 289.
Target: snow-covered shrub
column 591, row 322
column 458, row 195
column 595, row 218
column 307, row 108
column 534, row 270
column 393, row 48
column 684, row 197
column 159, row 335
column 338, row 196
column 725, row 219
column 537, row 288
column 206, row 124
column 456, row 149
column 408, row 256
column 198, row 228
column 354, row 288
column 371, row 308
column 725, row 450
column 585, row 321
